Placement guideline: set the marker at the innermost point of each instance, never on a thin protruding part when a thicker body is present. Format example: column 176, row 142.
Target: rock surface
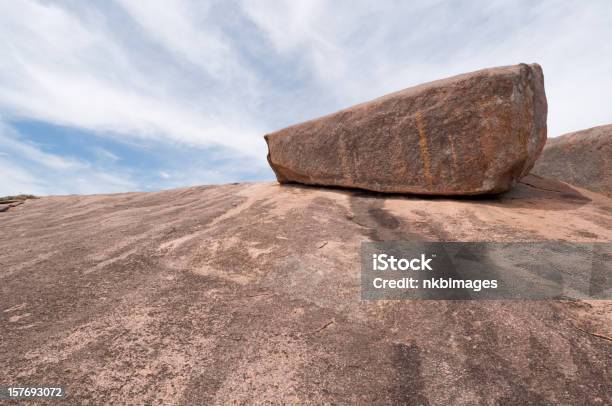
column 580, row 158
column 7, row 202
column 247, row 293
column 471, row 134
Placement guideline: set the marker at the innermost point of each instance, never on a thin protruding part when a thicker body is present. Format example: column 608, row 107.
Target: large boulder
column 470, row 134
column 581, row 158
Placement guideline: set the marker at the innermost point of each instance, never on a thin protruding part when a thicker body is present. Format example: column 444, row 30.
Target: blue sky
column 110, row 96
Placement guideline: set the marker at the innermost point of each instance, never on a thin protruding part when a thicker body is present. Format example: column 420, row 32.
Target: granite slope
column 581, row 158
column 249, row 293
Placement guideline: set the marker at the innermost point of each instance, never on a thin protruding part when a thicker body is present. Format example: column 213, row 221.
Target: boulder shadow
column 532, row 192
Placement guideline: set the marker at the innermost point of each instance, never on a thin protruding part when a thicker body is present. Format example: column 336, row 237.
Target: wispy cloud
column 75, row 67
column 11, row 144
column 188, row 31
column 105, row 155
column 30, row 166
column 27, row 168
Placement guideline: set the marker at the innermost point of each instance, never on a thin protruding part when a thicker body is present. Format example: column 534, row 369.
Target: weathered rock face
column 581, row 158
column 470, row 134
column 176, row 298
column 6, row 202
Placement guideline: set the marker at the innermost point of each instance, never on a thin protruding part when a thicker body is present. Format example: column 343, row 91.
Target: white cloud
column 185, row 29
column 308, row 27
column 105, row 155
column 26, row 168
column 73, row 69
column 16, row 180
column 11, row 145
column 18, row 176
